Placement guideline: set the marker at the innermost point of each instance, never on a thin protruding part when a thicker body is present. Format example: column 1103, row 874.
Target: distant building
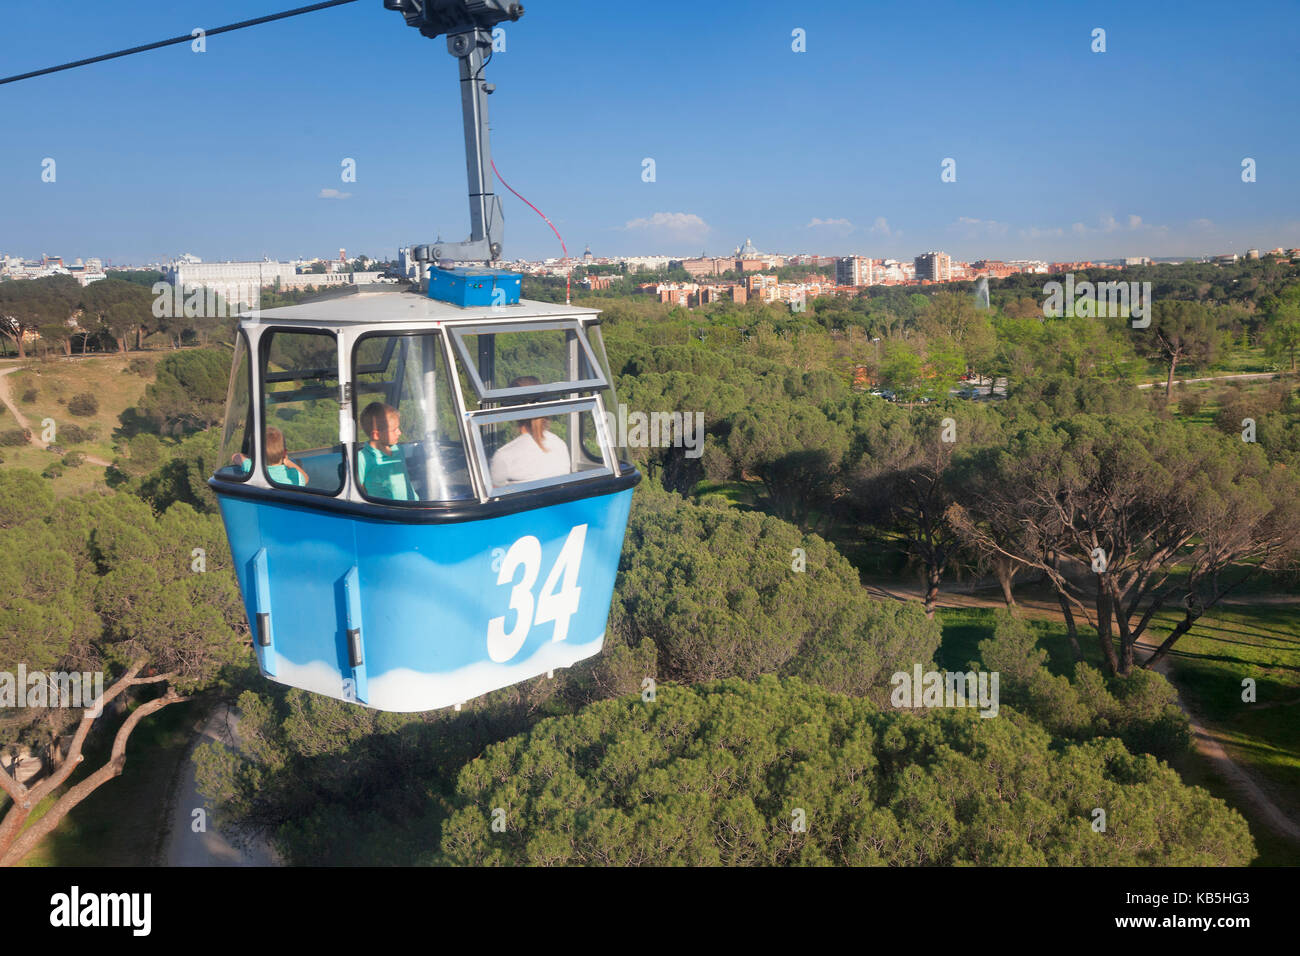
column 647, row 263
column 406, row 263
column 854, row 270
column 935, row 266
column 233, row 281
column 749, row 259
column 705, row 266
column 993, row 268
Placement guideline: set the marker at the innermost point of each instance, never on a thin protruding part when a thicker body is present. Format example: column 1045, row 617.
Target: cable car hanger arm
column 468, row 26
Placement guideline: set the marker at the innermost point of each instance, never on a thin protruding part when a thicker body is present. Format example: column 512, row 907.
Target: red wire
column 548, row 222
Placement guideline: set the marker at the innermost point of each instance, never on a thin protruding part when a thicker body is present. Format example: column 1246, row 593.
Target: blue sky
column 1060, row 152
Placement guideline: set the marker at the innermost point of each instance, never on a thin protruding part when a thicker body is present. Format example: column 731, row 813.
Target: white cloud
column 1134, row 221
column 881, row 227
column 1033, row 232
column 979, row 228
column 828, row 222
column 1202, row 224
column 680, row 224
column 333, row 194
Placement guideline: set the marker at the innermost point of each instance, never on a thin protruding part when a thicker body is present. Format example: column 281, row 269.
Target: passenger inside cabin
column 381, row 465
column 280, row 468
column 536, row 453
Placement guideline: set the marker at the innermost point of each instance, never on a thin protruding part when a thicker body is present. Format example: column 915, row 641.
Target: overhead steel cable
column 187, row 38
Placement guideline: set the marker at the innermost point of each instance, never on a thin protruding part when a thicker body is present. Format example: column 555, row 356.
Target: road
column 184, row 847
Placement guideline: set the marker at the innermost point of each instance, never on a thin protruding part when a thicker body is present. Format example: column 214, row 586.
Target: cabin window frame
column 474, row 421
column 470, row 365
column 250, row 416
column 453, row 388
column 265, row 339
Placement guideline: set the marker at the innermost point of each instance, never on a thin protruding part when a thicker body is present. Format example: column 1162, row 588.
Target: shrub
column 14, row 436
column 140, row 366
column 74, row 459
column 29, row 396
column 1191, row 403
column 53, row 470
column 84, row 404
column 71, row 434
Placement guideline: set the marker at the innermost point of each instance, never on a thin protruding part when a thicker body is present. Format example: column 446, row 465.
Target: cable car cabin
column 423, row 501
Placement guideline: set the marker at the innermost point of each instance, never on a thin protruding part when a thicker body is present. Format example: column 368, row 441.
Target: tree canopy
column 776, row 772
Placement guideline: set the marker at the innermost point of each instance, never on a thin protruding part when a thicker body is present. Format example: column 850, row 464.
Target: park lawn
column 1252, row 359
column 104, row 376
column 1210, row 393
column 1260, row 641
column 742, row 494
column 107, row 378
column 965, row 627
column 124, row 822
column 73, row 481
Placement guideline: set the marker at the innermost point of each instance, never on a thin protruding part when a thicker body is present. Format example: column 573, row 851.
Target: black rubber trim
column 264, row 628
column 449, row 513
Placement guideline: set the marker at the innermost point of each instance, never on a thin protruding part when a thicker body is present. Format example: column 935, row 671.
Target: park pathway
column 185, row 847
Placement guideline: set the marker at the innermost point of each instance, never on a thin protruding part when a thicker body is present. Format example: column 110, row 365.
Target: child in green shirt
column 381, row 466
column 280, row 468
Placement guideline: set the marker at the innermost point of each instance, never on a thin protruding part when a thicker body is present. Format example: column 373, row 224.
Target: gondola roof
column 393, row 305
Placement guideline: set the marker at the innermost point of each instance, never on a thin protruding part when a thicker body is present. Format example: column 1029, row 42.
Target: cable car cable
column 568, row 277
column 187, row 38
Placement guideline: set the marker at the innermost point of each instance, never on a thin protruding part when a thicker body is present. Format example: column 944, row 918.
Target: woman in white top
column 536, row 453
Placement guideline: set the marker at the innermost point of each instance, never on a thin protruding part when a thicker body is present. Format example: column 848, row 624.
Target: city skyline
column 1060, row 153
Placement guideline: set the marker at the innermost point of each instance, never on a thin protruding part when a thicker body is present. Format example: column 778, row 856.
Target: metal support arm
column 468, row 27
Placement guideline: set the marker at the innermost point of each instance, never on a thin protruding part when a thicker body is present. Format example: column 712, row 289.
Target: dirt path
column 1207, row 742
column 1215, row 378
column 185, row 847
column 22, row 421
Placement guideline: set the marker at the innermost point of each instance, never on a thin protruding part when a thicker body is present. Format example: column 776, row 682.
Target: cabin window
column 409, row 444
column 537, row 445
column 237, row 435
column 556, row 357
column 537, row 381
column 300, row 412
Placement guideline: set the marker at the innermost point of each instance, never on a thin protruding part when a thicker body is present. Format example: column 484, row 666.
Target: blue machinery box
column 474, row 287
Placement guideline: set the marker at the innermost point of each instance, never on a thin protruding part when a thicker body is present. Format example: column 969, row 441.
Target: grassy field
column 42, row 389
column 1256, row 640
column 1260, row 642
